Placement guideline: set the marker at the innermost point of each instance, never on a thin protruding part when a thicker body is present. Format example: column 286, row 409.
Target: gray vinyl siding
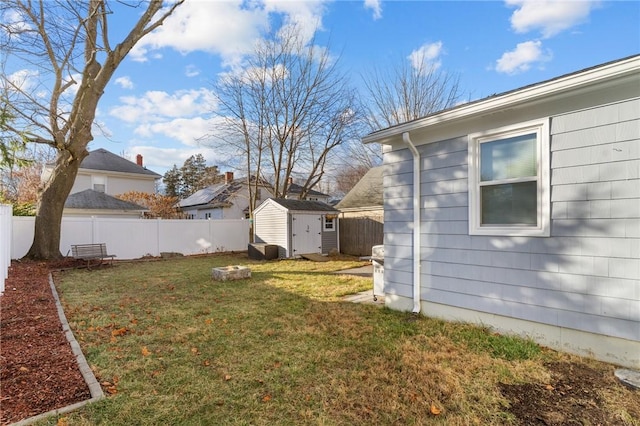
column 585, row 276
column 329, row 238
column 271, row 227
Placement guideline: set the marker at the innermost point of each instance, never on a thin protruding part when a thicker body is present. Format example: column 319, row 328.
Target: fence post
column 6, row 216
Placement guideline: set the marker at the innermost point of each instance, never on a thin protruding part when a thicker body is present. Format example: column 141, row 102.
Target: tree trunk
column 46, row 239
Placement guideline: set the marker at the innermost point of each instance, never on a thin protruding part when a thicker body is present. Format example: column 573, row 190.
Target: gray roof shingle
column 367, row 192
column 304, row 205
column 101, row 159
column 94, row 200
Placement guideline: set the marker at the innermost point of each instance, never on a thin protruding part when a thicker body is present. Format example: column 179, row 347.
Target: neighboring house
column 297, row 227
column 294, row 190
column 365, row 198
column 107, row 173
column 225, row 200
column 526, row 207
column 94, row 203
column 362, row 215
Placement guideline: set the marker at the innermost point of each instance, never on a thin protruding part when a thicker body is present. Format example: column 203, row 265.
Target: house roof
column 586, row 79
column 366, row 193
column 101, row 159
column 217, row 195
column 294, row 188
column 94, row 200
column 303, row 205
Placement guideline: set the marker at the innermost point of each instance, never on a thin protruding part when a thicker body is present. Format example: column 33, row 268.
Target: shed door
column 306, row 236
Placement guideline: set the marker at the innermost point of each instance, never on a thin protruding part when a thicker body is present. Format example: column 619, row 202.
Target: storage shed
column 297, row 227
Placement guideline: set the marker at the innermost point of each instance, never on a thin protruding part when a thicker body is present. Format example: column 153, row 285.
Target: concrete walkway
column 364, row 296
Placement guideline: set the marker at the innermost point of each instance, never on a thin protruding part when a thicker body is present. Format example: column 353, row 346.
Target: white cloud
column 549, row 16
column 375, row 7
column 191, row 71
column 158, row 105
column 189, row 131
column 522, row 58
column 217, row 27
column 227, row 28
column 15, row 22
column 25, row 80
column 427, row 56
column 124, row 82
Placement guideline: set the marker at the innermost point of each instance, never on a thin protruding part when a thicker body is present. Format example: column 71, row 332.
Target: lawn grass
column 171, row 346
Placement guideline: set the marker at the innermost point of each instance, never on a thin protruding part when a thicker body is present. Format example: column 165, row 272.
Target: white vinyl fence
column 6, row 212
column 135, row 238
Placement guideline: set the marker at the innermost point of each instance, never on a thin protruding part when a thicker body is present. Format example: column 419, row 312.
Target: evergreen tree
column 172, row 180
column 193, row 172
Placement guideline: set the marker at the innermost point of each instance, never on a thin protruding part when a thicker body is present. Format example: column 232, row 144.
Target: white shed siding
column 271, row 226
column 586, row 276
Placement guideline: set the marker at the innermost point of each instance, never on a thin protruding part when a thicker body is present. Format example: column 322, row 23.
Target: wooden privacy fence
column 359, row 234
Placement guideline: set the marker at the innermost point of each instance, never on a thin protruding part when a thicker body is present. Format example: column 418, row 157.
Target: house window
column 509, row 181
column 99, row 183
column 329, row 223
column 207, row 215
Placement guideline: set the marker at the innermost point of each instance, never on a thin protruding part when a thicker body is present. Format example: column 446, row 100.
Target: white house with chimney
column 103, row 175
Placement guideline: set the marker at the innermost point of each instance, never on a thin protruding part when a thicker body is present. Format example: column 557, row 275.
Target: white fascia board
column 527, row 95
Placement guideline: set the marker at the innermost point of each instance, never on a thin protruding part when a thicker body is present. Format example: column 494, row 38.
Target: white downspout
column 417, row 252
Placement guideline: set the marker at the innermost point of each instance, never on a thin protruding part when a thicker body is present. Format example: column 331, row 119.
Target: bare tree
column 407, row 92
column 68, row 58
column 286, row 112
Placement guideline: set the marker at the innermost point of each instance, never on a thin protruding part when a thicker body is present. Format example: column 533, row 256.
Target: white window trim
column 333, row 224
column 99, row 180
column 543, row 228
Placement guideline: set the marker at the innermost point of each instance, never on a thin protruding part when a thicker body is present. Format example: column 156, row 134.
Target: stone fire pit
column 228, row 273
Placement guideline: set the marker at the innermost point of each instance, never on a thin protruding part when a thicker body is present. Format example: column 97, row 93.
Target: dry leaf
column 549, row 387
column 227, row 377
column 266, row 398
column 62, row 421
column 25, row 369
column 119, row 332
column 195, row 351
column 208, row 321
column 435, row 410
column 206, row 363
column 145, row 351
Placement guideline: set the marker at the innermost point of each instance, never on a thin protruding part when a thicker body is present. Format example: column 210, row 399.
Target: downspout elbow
column 417, row 252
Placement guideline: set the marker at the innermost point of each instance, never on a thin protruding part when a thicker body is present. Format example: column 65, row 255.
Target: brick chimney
column 228, row 177
column 139, row 160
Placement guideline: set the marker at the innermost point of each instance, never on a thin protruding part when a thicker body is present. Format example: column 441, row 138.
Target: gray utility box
column 263, row 251
column 377, row 259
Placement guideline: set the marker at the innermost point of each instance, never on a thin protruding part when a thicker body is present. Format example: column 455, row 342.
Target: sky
column 159, row 103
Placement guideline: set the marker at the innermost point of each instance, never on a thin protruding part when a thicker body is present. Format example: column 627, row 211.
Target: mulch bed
column 38, row 371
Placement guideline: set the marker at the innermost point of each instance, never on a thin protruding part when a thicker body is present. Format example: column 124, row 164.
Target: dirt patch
column 38, row 370
column 574, row 396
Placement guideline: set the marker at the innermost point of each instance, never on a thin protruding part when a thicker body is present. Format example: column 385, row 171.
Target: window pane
column 508, row 158
column 510, row 204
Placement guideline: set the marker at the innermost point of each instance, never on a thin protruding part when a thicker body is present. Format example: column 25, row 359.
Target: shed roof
column 94, row 200
column 101, row 159
column 303, row 205
column 367, row 192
